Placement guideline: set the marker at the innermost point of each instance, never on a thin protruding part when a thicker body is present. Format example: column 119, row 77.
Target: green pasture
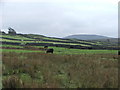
column 24, row 38
column 19, row 51
column 6, row 40
column 65, row 51
column 44, row 37
column 16, row 37
column 54, row 39
column 59, row 50
column 13, row 46
column 95, row 43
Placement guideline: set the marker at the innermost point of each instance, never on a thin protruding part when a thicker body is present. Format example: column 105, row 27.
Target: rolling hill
column 86, row 37
column 40, row 40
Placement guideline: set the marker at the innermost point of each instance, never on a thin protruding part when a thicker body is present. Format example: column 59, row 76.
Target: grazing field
column 39, row 40
column 66, row 51
column 41, row 70
column 57, row 50
column 74, row 63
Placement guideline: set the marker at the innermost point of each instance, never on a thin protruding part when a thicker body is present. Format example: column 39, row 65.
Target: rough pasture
column 41, row 70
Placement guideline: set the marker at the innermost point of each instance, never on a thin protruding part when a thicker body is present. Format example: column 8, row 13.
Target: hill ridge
column 87, row 37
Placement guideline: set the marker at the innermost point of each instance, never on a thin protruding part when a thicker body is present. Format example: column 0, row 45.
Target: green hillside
column 39, row 40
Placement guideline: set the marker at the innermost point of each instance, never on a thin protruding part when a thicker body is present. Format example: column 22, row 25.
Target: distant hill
column 87, row 37
column 110, row 41
column 40, row 40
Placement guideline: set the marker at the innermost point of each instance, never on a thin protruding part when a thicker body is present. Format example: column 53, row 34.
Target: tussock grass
column 40, row 70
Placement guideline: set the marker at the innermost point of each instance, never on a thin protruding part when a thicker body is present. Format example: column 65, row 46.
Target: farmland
column 74, row 63
column 39, row 70
column 35, row 40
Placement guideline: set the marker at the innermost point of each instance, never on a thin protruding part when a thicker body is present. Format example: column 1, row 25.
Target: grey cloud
column 59, row 20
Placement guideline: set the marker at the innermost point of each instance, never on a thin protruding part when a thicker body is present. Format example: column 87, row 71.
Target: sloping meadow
column 40, row 70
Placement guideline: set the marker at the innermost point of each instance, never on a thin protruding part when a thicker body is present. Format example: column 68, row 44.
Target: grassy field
column 31, row 67
column 75, row 43
column 58, row 50
column 16, row 37
column 40, row 70
column 47, row 38
column 6, row 40
column 66, row 51
column 66, row 69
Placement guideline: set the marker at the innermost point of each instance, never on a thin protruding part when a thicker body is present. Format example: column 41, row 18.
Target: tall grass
column 62, row 51
column 39, row 70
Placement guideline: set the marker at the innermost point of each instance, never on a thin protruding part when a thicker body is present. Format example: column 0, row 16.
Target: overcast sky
column 60, row 18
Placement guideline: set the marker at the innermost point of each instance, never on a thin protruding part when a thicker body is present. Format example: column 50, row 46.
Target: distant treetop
column 2, row 32
column 11, row 31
